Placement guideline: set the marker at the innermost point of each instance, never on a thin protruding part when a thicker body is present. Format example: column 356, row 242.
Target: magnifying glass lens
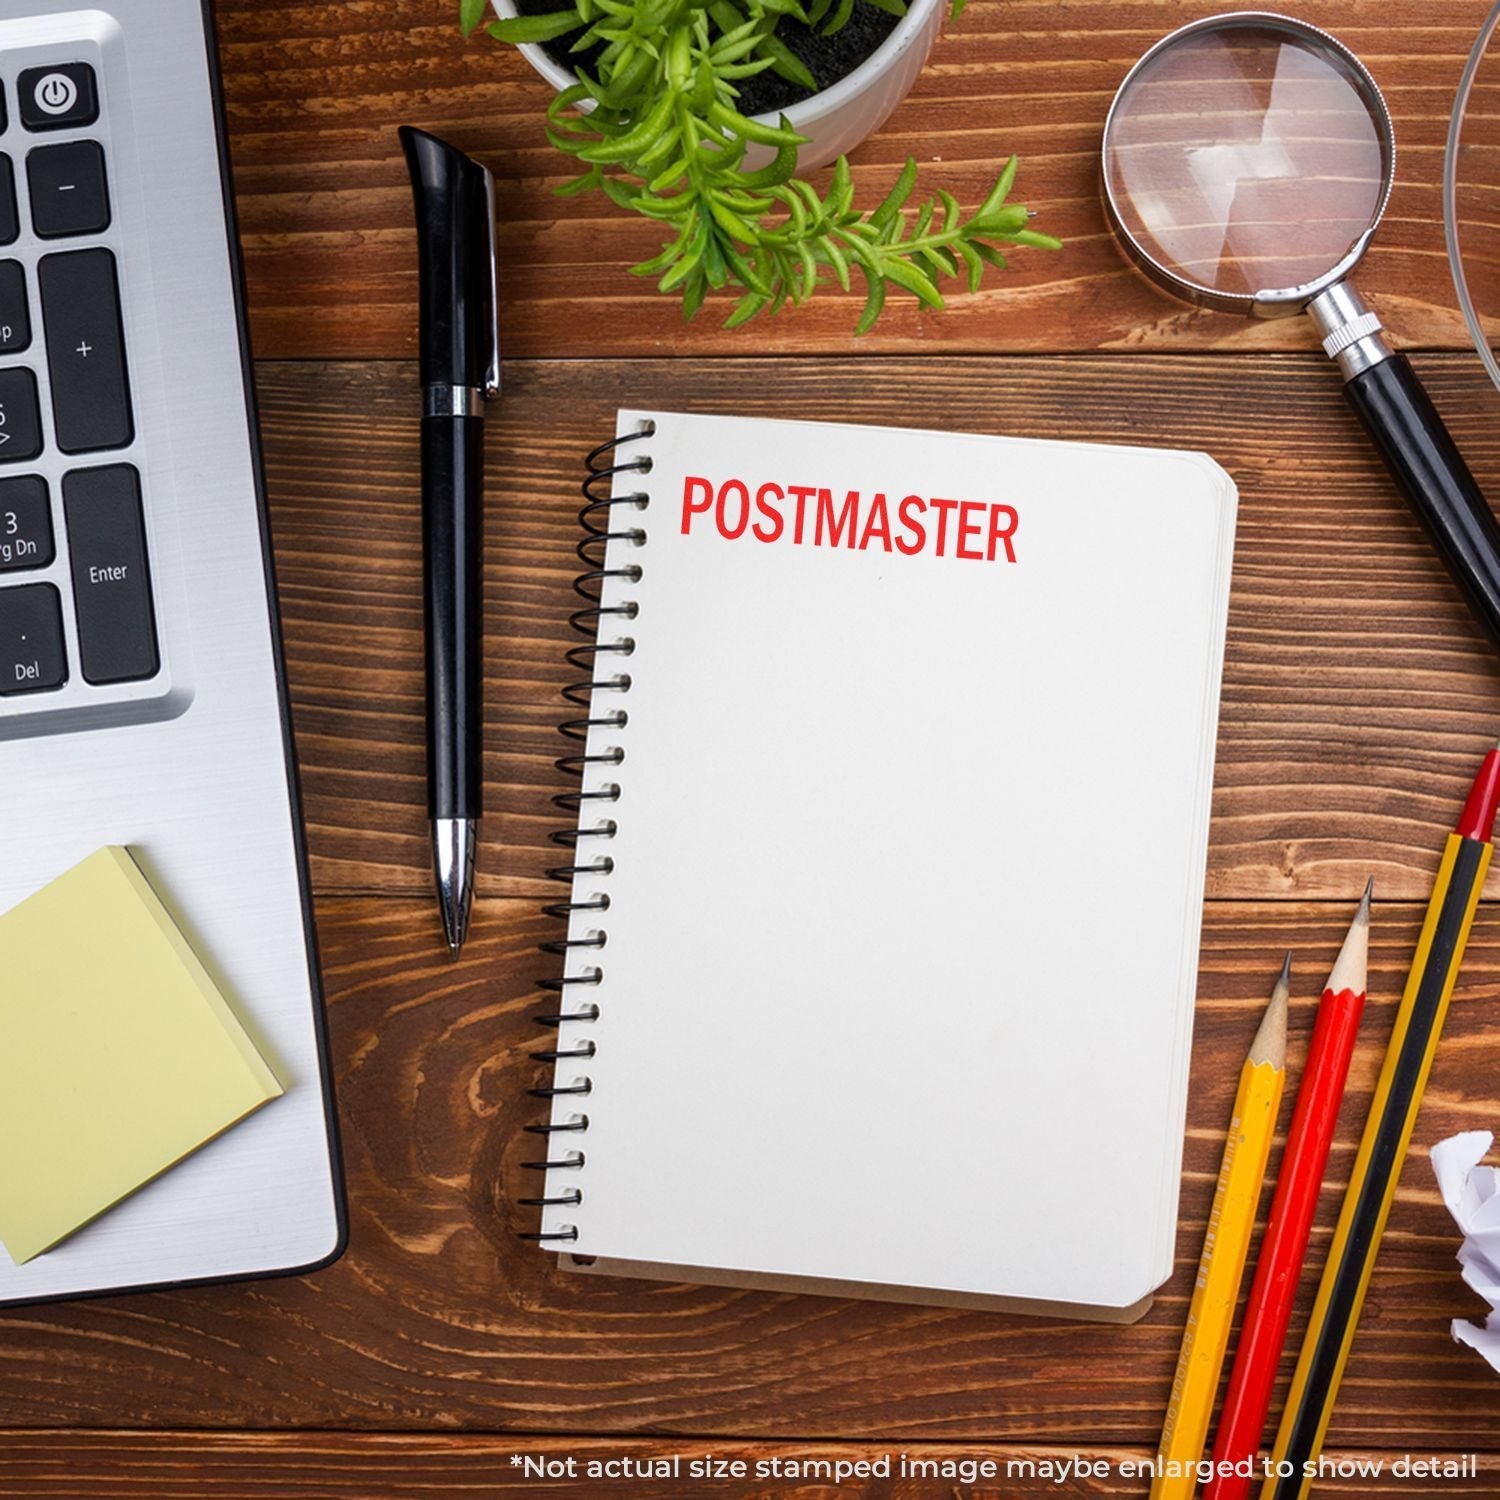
column 1246, row 159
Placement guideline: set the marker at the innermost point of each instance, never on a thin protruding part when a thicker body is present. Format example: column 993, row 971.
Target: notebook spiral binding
column 605, row 464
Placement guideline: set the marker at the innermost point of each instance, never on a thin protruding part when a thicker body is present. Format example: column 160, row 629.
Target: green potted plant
column 652, row 106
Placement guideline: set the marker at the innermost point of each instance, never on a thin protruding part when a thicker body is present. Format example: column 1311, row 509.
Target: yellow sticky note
column 119, row 1056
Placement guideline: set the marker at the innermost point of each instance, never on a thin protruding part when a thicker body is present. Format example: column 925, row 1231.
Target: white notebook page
column 908, row 870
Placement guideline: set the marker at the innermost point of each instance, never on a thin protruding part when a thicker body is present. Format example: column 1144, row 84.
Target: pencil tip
column 1269, row 1044
column 1349, row 968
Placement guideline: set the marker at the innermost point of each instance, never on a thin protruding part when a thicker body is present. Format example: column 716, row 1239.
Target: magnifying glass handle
column 1426, row 463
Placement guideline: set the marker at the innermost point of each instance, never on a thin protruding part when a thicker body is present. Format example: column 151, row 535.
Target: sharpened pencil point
column 1269, row 1045
column 1350, row 967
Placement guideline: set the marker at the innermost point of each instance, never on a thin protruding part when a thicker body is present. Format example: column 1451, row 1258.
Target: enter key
column 111, row 574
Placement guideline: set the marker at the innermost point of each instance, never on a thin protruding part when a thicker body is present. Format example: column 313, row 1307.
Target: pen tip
column 1363, row 914
column 1286, row 970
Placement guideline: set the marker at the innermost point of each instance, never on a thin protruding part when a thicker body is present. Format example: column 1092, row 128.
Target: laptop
column 142, row 692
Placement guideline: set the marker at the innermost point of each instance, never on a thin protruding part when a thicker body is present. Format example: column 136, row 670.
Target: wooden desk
column 1357, row 699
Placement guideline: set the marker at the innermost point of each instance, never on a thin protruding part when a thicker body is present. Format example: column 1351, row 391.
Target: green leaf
column 778, row 170
column 619, row 192
column 692, row 296
column 746, row 308
column 873, row 304
column 535, row 28
column 940, row 259
column 907, row 275
column 1001, row 190
column 744, row 269
column 470, row 14
column 895, row 200
column 839, row 262
column 566, row 99
column 669, row 176
column 840, row 18
column 970, row 257
column 747, row 129
column 731, row 223
column 576, row 185
column 668, row 255
column 809, row 270
column 1007, row 220
column 635, row 141
column 713, row 262
column 786, row 62
column 689, row 265
column 810, row 197
column 840, row 190
column 752, row 204
column 1037, row 240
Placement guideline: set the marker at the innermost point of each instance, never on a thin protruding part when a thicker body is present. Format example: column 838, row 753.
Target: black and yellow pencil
column 1382, row 1149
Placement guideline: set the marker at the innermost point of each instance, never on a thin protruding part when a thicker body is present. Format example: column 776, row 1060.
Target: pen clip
column 492, row 370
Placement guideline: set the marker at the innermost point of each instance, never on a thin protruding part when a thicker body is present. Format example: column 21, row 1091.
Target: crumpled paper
column 1472, row 1193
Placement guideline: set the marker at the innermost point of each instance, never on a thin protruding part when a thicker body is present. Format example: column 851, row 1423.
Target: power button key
column 58, row 96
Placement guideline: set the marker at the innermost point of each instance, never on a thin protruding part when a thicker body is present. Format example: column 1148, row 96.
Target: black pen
column 460, row 371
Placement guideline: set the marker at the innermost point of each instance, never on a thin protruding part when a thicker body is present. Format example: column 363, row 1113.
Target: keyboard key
column 32, row 656
column 4, row 117
column 20, row 417
column 57, row 96
column 10, row 218
column 85, row 350
column 111, row 577
column 68, row 192
column 25, row 523
column 15, row 314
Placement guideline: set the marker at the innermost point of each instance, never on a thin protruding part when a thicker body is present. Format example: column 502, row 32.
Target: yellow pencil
column 1226, row 1246
column 1383, row 1147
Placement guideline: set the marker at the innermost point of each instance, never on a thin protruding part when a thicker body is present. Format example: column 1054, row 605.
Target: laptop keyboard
column 60, row 314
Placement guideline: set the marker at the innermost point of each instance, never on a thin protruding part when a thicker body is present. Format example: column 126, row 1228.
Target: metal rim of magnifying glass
column 1450, row 196
column 1271, row 302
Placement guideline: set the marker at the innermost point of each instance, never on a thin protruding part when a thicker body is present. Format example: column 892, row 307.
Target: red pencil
column 1269, row 1309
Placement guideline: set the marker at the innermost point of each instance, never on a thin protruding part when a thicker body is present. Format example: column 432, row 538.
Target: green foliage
column 653, row 125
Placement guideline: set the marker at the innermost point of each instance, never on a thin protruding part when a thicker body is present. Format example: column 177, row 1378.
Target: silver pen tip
column 453, row 847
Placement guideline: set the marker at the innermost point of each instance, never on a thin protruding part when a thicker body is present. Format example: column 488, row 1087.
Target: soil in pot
column 827, row 58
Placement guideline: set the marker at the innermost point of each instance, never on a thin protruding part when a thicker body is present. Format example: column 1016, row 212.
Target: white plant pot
column 836, row 120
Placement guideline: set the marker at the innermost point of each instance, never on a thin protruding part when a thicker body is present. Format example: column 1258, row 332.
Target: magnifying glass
column 1247, row 161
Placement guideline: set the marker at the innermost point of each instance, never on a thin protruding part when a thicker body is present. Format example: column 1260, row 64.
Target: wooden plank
column 451, row 1466
column 1358, row 695
column 315, row 92
column 439, row 1317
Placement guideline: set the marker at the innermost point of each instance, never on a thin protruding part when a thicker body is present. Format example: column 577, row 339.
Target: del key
column 85, row 350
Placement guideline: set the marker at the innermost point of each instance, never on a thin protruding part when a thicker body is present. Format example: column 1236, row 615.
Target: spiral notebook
column 888, row 869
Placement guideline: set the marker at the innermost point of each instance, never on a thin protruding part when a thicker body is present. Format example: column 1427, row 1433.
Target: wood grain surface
column 1358, row 694
column 439, row 1318
column 315, row 91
